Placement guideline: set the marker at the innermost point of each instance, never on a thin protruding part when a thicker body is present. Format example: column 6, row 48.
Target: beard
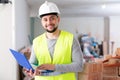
column 51, row 31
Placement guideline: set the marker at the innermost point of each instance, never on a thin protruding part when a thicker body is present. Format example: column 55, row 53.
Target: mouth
column 50, row 27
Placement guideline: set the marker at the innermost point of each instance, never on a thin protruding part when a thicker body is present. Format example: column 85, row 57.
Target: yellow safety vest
column 62, row 54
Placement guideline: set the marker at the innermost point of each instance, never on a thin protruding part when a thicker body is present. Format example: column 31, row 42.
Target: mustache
column 50, row 25
column 52, row 30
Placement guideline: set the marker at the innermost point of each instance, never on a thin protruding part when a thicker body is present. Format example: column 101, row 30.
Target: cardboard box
column 118, row 71
column 92, row 67
column 88, row 68
column 118, row 78
column 109, row 78
column 110, row 71
column 92, row 76
column 92, row 71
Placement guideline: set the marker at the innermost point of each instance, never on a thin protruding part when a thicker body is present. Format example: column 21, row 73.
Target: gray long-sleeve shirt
column 77, row 58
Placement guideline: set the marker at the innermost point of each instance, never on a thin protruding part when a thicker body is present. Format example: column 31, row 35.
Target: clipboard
column 21, row 59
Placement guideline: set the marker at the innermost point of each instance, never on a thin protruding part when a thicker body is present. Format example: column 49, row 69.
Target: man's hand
column 28, row 73
column 32, row 74
column 46, row 67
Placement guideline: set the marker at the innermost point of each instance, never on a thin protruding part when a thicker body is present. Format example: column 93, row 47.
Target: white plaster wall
column 21, row 23
column 95, row 25
column 115, row 32
column 7, row 63
column 14, row 23
column 38, row 29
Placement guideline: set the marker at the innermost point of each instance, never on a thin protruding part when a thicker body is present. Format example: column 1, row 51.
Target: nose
column 49, row 21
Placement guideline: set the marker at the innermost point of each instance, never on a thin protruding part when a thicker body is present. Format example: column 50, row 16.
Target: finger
column 24, row 69
column 30, row 74
column 37, row 72
column 42, row 67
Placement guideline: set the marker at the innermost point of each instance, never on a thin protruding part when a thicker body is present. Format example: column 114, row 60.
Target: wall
column 7, row 64
column 95, row 25
column 38, row 29
column 114, row 32
column 21, row 23
column 14, row 23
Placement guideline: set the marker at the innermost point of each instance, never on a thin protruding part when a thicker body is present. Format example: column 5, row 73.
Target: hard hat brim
column 54, row 13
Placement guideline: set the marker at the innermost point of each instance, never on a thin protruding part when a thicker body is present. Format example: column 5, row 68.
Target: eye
column 45, row 19
column 52, row 18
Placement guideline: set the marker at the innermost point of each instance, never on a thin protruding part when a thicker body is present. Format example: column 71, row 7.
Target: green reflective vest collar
column 62, row 54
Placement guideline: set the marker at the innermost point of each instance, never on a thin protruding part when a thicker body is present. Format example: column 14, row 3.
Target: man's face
column 50, row 23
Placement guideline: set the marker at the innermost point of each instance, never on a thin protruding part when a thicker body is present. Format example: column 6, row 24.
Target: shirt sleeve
column 77, row 60
column 33, row 60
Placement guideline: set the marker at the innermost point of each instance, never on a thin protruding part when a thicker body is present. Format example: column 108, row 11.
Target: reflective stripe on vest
column 62, row 54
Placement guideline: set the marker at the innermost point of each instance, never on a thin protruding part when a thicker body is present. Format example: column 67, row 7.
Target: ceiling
column 80, row 7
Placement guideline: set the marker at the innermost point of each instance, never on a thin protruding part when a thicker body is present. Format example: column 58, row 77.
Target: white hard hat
column 48, row 7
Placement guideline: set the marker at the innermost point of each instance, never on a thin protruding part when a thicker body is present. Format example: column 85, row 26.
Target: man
column 56, row 53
